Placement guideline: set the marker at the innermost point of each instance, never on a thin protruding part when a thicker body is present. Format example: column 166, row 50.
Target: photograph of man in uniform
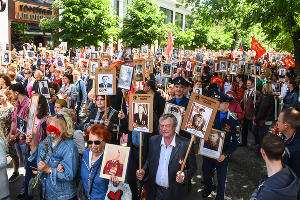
column 233, row 68
column 198, row 121
column 94, row 65
column 105, row 82
column 43, row 85
column 114, row 166
column 167, row 69
column 6, row 57
column 177, row 113
column 60, row 61
column 140, row 117
column 21, row 125
column 138, row 72
column 217, row 67
column 213, row 141
column 125, row 77
column 223, row 66
column 148, row 66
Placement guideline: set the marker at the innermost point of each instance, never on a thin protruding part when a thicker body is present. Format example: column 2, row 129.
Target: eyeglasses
column 96, row 142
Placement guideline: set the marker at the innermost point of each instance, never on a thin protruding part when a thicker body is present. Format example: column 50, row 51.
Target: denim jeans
column 21, row 149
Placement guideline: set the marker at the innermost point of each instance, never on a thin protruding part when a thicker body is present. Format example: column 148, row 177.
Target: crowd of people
column 62, row 156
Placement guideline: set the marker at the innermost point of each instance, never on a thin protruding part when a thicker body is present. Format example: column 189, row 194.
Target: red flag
column 82, row 53
column 289, row 62
column 256, row 46
column 170, row 43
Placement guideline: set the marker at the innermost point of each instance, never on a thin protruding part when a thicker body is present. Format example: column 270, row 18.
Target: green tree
column 142, row 24
column 82, row 22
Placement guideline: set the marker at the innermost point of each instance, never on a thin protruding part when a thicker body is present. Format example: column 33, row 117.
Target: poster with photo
column 233, row 68
column 105, row 81
column 281, row 72
column 21, row 125
column 177, row 111
column 125, row 78
column 247, row 69
column 32, row 114
column 175, row 53
column 149, row 65
column 5, row 57
column 63, row 47
column 199, row 57
column 200, row 115
column 141, row 113
column 159, row 52
column 44, row 89
column 252, row 69
column 145, row 50
column 139, row 70
column 60, row 62
column 213, row 146
column 20, row 60
column 128, row 56
column 166, row 70
column 188, row 66
column 114, row 162
column 217, row 66
column 276, row 88
column 257, row 70
column 223, row 66
column 93, row 66
column 29, row 54
column 198, row 68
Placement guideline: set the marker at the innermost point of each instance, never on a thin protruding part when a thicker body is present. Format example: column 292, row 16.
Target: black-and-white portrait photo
column 252, row 69
column 43, row 59
column 145, row 50
column 247, row 68
column 94, row 55
column 213, row 146
column 166, row 70
column 257, row 70
column 141, row 113
column 233, row 68
column 217, row 67
column 223, row 66
column 175, row 53
column 276, row 88
column 21, row 125
column 6, row 57
column 199, row 57
column 177, row 111
column 188, row 66
column 63, row 47
column 105, row 84
column 198, row 68
column 125, row 78
column 159, row 52
column 139, row 72
column 29, row 54
column 60, row 60
column 198, row 119
column 93, row 67
column 32, row 111
column 148, row 65
column 44, row 89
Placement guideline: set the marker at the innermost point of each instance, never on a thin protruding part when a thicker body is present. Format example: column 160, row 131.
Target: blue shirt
column 222, row 115
column 178, row 100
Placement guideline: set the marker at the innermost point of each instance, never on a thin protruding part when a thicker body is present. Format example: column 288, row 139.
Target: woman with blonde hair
column 265, row 112
column 4, row 189
column 57, row 158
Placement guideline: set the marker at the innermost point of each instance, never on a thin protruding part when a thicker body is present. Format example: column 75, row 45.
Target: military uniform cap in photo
column 180, row 81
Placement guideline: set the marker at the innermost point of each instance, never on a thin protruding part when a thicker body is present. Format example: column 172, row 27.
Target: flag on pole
column 289, row 62
column 241, row 48
column 256, row 46
column 82, row 54
column 170, row 43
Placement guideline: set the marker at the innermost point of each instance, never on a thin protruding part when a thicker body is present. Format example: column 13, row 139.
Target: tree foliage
column 82, row 22
column 142, row 24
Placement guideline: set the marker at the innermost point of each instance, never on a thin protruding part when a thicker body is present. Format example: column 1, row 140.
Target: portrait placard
column 20, row 60
column 217, row 66
column 128, row 55
column 149, row 65
column 212, row 147
column 44, row 59
column 166, row 70
column 145, row 50
column 60, row 62
column 223, row 66
column 200, row 115
column 29, row 54
column 257, row 70
column 197, row 68
column 6, row 57
column 32, row 113
column 247, row 69
column 159, row 52
column 44, row 89
column 233, row 68
column 93, row 66
column 141, row 112
column 276, row 89
column 252, row 69
column 125, row 78
column 114, row 162
column 177, row 111
column 21, row 125
column 63, row 47
column 105, row 81
column 139, row 70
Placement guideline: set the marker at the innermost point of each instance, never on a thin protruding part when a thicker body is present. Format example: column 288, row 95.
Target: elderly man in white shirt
column 163, row 164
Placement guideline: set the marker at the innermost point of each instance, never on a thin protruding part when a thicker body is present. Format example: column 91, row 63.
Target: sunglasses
column 97, row 142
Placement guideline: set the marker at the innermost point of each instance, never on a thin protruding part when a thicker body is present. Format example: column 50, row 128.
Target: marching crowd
column 63, row 155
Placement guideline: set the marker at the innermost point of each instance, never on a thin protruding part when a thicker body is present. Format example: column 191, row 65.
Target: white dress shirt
column 162, row 177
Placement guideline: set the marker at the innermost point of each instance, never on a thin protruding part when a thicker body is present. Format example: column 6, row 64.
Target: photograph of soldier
column 114, row 166
column 166, row 70
column 198, row 121
column 217, row 67
column 148, row 65
column 105, row 82
column 6, row 57
column 139, row 72
column 94, row 65
column 21, row 125
column 213, row 141
column 177, row 111
column 44, row 90
column 233, row 69
column 125, row 77
column 223, row 66
column 140, row 117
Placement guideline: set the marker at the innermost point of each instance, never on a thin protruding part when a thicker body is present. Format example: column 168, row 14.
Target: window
column 179, row 20
column 116, row 6
column 169, row 14
column 188, row 21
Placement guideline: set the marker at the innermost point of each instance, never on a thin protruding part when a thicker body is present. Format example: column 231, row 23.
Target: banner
column 289, row 62
column 170, row 43
column 256, row 46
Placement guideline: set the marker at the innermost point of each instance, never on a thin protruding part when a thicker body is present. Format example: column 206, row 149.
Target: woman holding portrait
column 68, row 90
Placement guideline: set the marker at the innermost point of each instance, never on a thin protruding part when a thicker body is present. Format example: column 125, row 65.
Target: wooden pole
column 187, row 153
column 105, row 111
column 140, row 154
column 119, row 118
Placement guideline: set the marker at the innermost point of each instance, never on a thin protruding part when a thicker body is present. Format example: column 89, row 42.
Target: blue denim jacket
column 100, row 185
column 57, row 185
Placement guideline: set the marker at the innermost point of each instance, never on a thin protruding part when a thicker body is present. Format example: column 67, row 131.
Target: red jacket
column 237, row 110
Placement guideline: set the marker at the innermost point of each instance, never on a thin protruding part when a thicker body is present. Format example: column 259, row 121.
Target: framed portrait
column 188, row 66
column 149, row 65
column 217, row 66
column 63, row 47
column 252, row 69
column 139, row 70
column 21, row 125
column 20, row 60
column 94, row 55
column 177, row 111
column 114, row 162
column 44, row 89
column 44, row 59
column 125, row 78
column 6, row 58
column 247, row 69
column 241, row 67
column 60, row 62
column 166, row 70
column 32, row 113
column 199, row 57
column 159, row 52
column 200, row 115
column 175, row 53
column 128, row 56
column 257, row 70
column 141, row 113
column 213, row 146
column 223, row 66
column 93, row 66
column 198, row 68
column 281, row 72
column 105, row 62
column 233, row 68
column 145, row 50
column 276, row 88
column 105, row 81
column 29, row 54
